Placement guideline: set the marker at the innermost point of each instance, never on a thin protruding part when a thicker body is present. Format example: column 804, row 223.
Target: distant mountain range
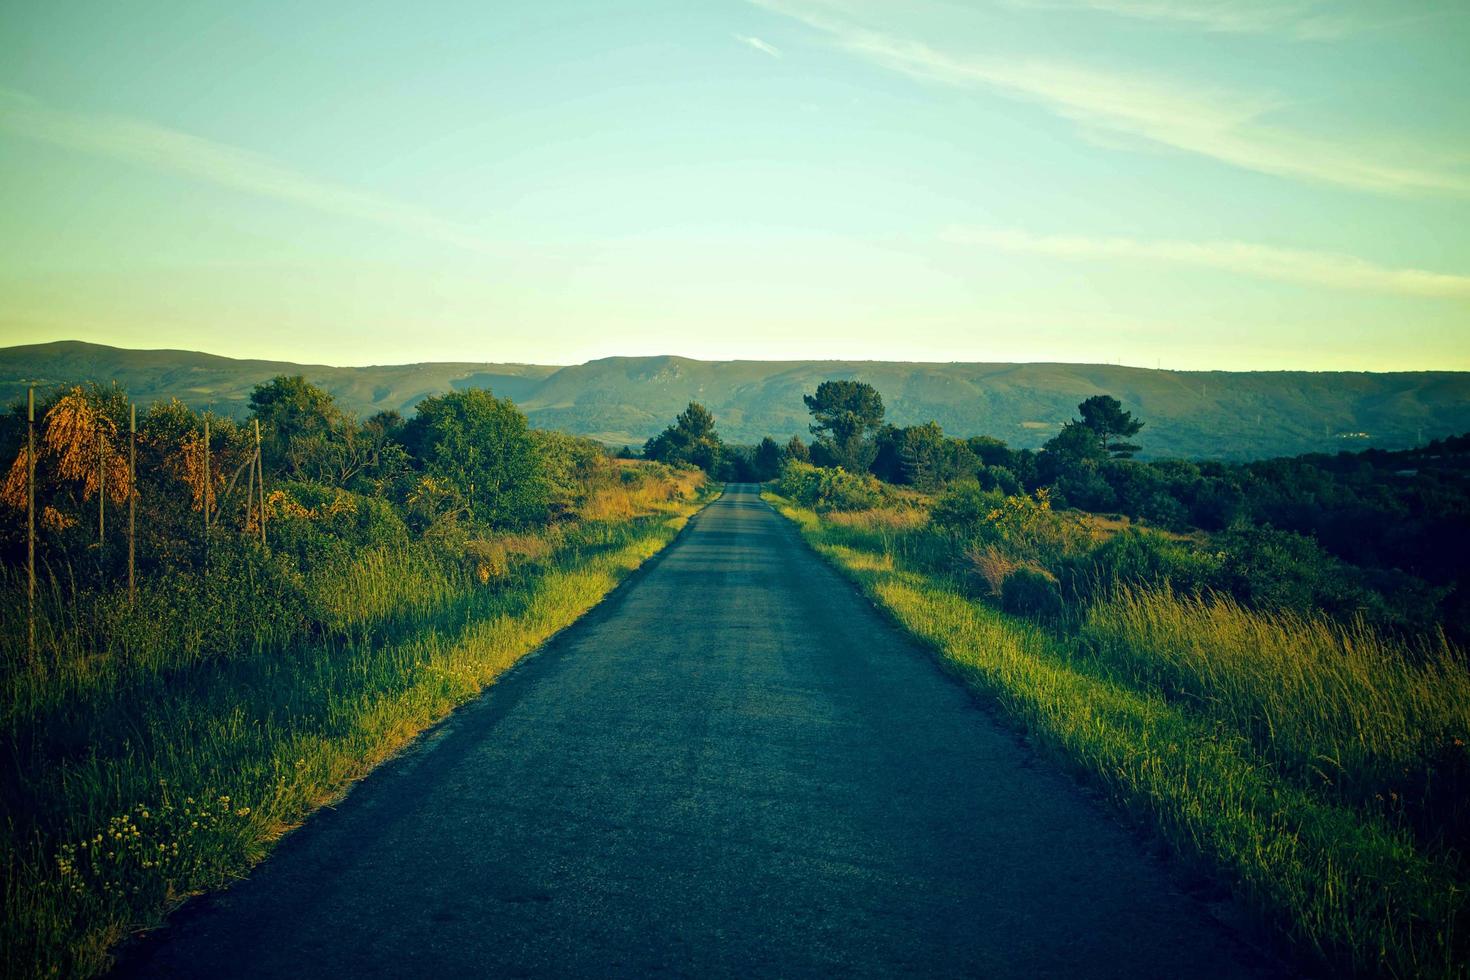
column 624, row 400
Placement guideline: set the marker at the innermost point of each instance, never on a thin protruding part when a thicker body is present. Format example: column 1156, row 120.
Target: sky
column 1188, row 184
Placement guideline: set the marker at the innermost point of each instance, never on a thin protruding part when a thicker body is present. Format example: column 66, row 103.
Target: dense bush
column 1134, row 558
column 1024, row 526
column 569, row 466
column 1282, row 570
column 481, row 448
column 1028, row 592
column 829, row 489
column 964, row 505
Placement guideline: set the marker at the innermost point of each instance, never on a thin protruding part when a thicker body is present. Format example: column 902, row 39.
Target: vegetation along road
column 734, row 766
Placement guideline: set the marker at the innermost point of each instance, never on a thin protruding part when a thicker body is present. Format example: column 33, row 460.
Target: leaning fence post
column 260, row 472
column 206, row 492
column 249, row 491
column 31, row 519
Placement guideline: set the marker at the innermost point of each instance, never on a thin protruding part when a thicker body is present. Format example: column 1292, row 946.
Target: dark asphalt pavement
column 732, row 767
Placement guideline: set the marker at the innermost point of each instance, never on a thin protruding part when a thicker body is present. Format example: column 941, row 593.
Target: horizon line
column 728, row 360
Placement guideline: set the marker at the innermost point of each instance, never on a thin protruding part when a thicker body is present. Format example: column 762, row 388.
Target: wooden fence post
column 132, row 503
column 249, row 490
column 260, row 473
column 206, row 493
column 101, row 494
column 31, row 519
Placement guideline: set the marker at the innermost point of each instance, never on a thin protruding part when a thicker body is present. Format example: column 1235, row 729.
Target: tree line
column 1374, row 533
column 99, row 493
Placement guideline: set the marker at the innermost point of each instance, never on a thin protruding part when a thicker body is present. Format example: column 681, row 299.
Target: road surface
column 732, row 767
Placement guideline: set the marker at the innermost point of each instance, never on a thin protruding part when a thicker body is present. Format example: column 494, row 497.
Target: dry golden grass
column 992, row 565
column 880, row 519
column 644, row 488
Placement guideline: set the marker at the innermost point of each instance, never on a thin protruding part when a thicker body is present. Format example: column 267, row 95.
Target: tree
column 304, row 435
column 1104, row 415
column 1071, row 451
column 691, row 439
column 844, row 413
column 796, row 449
column 768, row 459
column 887, row 462
column 921, row 455
column 991, row 451
column 480, row 448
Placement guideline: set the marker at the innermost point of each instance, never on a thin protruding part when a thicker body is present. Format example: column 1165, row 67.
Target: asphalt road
column 733, row 767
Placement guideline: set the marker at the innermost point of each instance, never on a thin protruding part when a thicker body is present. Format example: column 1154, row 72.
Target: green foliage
column 569, row 466
column 1104, row 415
column 844, row 413
column 305, row 436
column 691, row 440
column 1075, row 446
column 767, row 459
column 1281, row 570
column 481, row 448
column 827, row 489
column 922, row 456
column 320, row 525
column 1028, row 592
column 1024, row 526
column 1138, row 559
column 998, row 478
column 964, row 506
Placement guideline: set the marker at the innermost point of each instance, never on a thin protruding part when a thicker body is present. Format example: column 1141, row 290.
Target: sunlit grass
column 1338, row 708
column 165, row 772
column 1176, row 737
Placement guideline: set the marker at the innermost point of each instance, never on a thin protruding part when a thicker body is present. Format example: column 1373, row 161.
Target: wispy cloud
column 1312, row 20
column 1227, row 126
column 761, row 46
column 158, row 148
column 1331, row 269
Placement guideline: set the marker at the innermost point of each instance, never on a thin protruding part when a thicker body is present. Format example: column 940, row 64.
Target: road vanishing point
column 733, row 767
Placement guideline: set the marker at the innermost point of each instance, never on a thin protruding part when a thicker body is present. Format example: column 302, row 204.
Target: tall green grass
column 1177, row 739
column 1338, row 708
column 143, row 775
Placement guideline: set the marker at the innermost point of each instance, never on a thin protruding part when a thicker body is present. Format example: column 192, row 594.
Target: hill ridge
column 626, row 398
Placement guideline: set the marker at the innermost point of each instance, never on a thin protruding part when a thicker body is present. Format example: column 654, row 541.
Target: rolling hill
column 624, row 400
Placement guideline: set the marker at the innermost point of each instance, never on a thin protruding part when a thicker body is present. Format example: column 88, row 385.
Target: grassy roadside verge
column 211, row 764
column 1349, row 892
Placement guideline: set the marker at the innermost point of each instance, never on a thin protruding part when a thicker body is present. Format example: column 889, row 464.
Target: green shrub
column 1024, row 528
column 569, row 466
column 1285, row 571
column 318, row 524
column 1137, row 558
column 1028, row 592
column 480, row 446
column 963, row 507
column 827, row 489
